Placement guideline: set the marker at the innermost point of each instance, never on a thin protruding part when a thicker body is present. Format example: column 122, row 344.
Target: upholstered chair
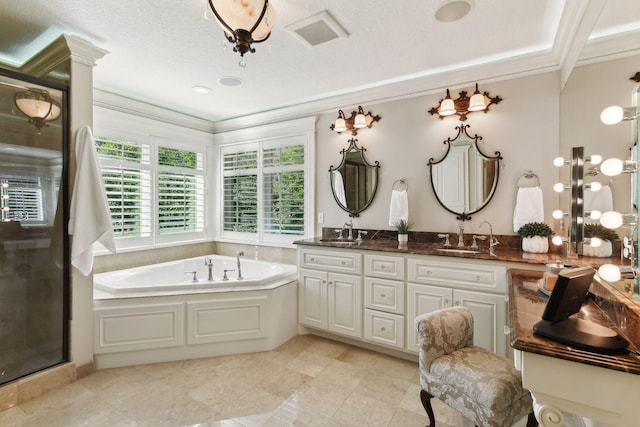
column 483, row 386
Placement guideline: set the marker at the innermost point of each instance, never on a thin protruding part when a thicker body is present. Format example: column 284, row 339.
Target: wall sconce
column 463, row 105
column 38, row 106
column 238, row 20
column 358, row 120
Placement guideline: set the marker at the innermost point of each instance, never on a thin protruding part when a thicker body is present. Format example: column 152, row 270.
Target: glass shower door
column 33, row 223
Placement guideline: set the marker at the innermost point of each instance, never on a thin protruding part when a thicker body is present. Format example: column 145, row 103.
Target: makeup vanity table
column 562, row 379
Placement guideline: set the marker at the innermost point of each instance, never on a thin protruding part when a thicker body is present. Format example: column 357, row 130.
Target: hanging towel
column 89, row 218
column 601, row 200
column 529, row 207
column 338, row 188
column 399, row 208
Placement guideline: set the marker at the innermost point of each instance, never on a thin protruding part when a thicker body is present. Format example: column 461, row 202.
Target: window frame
column 268, row 135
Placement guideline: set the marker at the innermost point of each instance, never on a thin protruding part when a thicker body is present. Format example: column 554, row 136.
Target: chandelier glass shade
column 244, row 21
column 38, row 106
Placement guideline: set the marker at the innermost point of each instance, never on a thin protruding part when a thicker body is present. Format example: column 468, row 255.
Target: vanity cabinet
column 327, row 299
column 375, row 297
column 482, row 288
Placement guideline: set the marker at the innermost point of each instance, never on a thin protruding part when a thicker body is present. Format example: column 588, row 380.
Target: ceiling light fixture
column 244, row 22
column 358, row 120
column 38, row 106
column 463, row 105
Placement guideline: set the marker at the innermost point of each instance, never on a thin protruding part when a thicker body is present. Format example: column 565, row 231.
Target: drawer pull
column 478, row 277
column 429, row 273
column 344, row 262
column 457, row 303
column 383, row 329
column 312, row 260
column 383, row 295
column 446, row 301
column 382, row 267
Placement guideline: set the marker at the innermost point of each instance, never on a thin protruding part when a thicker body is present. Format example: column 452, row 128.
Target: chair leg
column 531, row 420
column 426, row 397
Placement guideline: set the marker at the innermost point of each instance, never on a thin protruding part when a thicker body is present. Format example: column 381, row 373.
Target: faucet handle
column 474, row 244
column 360, row 234
column 195, row 275
column 339, row 231
column 446, row 239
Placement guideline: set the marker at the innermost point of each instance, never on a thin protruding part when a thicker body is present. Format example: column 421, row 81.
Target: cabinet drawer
column 385, row 295
column 461, row 274
column 387, row 267
column 384, row 328
column 343, row 262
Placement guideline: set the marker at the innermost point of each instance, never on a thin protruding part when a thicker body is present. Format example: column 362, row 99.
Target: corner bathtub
column 157, row 313
column 178, row 276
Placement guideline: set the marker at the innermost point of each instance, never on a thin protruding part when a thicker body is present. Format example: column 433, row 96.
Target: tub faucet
column 460, row 232
column 238, row 255
column 492, row 242
column 208, row 261
column 195, row 275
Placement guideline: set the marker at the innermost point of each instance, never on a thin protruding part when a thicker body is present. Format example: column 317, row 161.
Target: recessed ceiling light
column 454, row 10
column 230, row 81
column 201, row 89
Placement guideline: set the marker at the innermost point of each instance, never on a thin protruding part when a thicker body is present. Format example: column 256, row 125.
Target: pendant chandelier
column 244, row 22
column 38, row 106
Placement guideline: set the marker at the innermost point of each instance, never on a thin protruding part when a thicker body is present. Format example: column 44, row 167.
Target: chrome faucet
column 492, row 242
column 238, row 255
column 446, row 239
column 460, row 232
column 208, row 261
column 348, row 225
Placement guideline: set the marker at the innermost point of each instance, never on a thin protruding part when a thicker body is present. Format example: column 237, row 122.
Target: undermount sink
column 338, row 241
column 459, row 251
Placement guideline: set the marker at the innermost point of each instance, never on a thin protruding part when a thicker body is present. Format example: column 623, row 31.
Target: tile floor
column 308, row 381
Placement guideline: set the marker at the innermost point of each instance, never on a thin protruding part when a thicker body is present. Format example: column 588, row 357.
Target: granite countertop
column 526, row 305
column 505, row 253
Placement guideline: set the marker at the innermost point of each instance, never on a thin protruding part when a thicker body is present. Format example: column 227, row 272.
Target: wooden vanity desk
column 562, row 379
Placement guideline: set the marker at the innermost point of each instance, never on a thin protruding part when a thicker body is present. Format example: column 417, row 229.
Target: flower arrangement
column 403, row 226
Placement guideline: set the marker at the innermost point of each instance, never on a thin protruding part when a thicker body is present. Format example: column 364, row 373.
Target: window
column 155, row 189
column 25, row 198
column 264, row 185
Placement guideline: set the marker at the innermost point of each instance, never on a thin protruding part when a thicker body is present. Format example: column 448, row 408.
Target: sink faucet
column 492, row 242
column 238, row 255
column 460, row 232
column 208, row 261
column 348, row 225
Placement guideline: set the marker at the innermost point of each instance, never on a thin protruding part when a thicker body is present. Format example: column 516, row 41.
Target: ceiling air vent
column 317, row 29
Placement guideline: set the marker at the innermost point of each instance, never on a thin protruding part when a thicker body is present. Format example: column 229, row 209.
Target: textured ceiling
column 160, row 49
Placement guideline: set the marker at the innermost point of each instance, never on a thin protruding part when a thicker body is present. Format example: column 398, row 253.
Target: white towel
column 399, row 208
column 89, row 218
column 601, row 200
column 529, row 207
column 338, row 188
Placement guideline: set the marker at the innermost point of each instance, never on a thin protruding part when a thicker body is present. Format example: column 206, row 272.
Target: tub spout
column 208, row 261
column 238, row 255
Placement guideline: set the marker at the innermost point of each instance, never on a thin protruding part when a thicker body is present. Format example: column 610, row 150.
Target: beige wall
column 524, row 127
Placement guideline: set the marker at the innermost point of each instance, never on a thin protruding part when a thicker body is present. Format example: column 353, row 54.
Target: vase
column 535, row 244
column 602, row 251
column 402, row 240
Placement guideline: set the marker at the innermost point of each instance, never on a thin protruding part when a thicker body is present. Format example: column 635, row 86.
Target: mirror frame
column 463, row 130
column 353, row 146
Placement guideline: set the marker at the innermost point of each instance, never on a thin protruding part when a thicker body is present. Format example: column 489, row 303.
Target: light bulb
column 595, row 214
column 556, row 240
column 609, row 272
column 557, row 214
column 612, row 115
column 596, row 159
column 447, row 106
column 612, row 167
column 595, row 242
column 558, row 161
column 558, row 187
column 595, row 186
column 611, row 219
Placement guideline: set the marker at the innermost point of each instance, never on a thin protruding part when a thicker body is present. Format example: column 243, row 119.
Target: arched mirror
column 464, row 179
column 355, row 181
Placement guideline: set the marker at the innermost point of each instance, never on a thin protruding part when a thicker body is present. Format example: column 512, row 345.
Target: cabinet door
column 312, row 298
column 489, row 318
column 423, row 299
column 345, row 304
